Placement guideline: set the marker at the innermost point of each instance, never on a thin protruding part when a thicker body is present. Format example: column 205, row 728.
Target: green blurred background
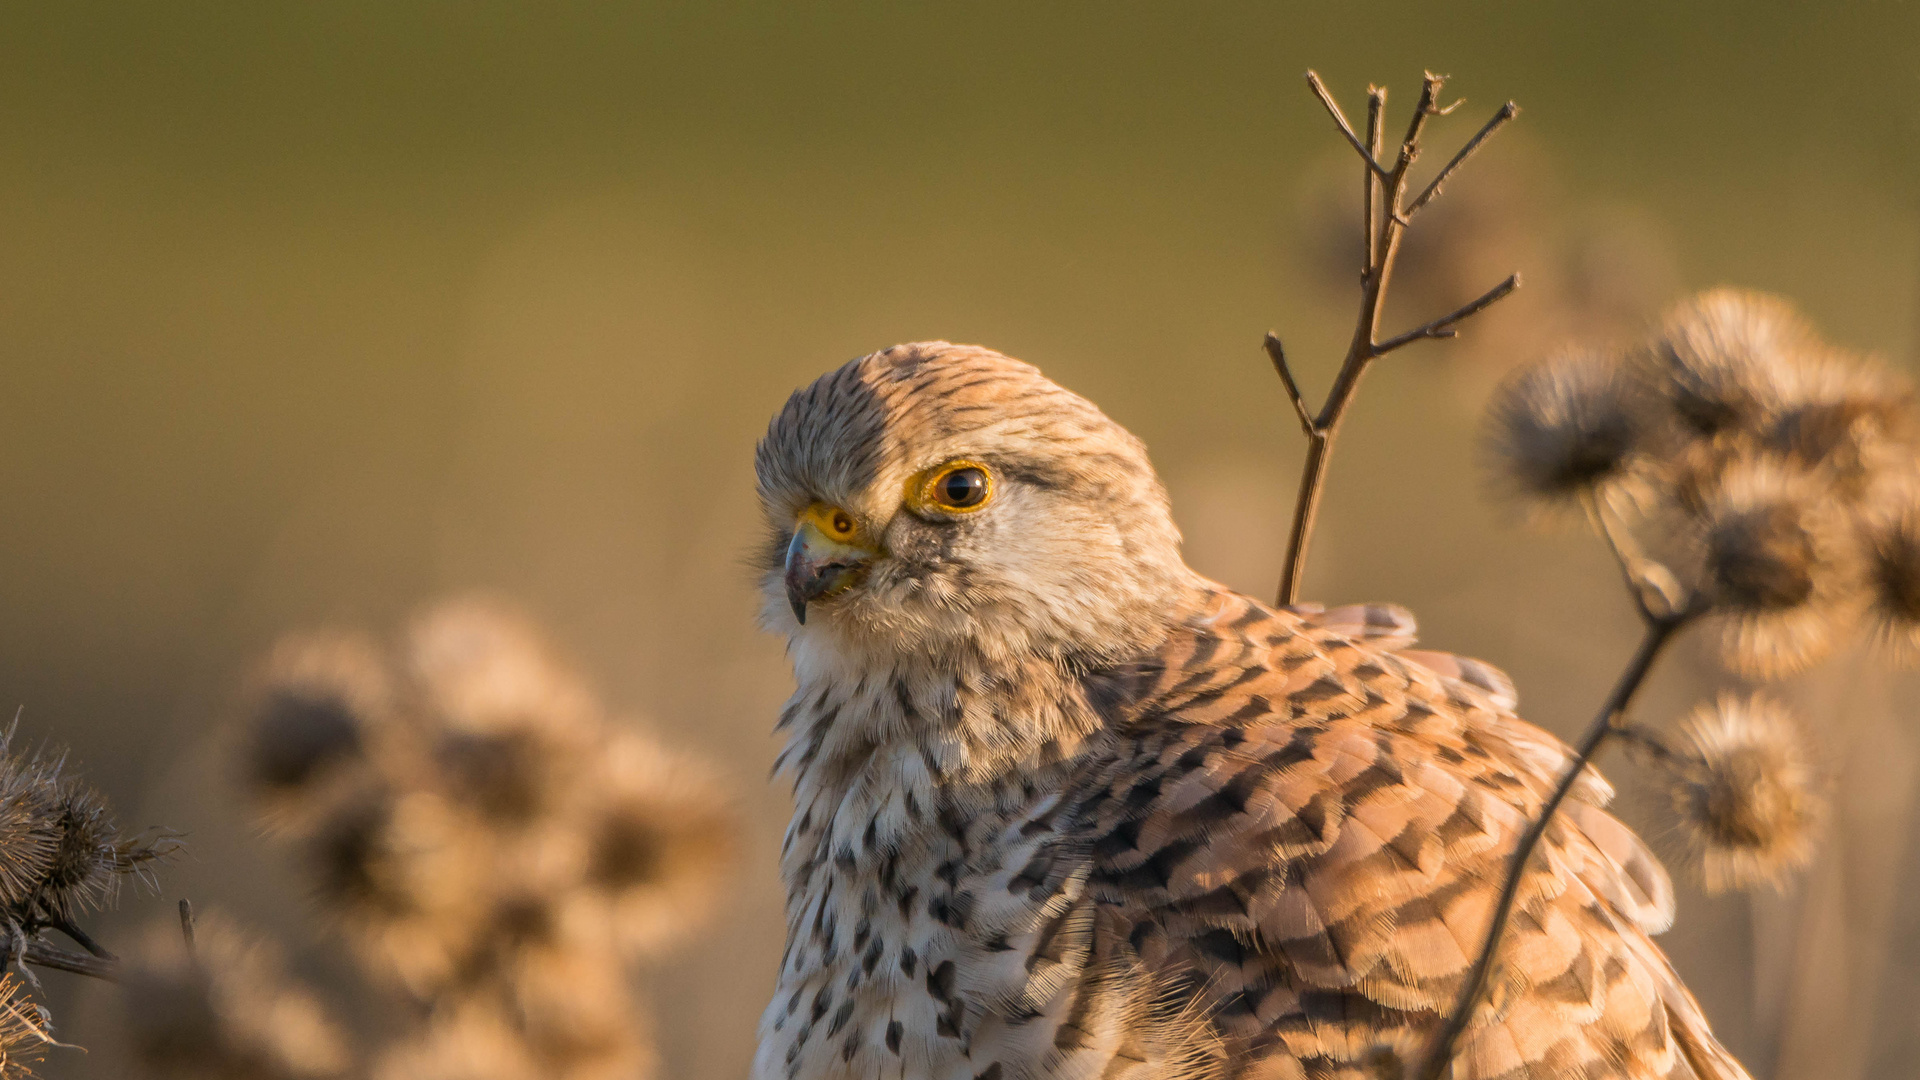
column 313, row 312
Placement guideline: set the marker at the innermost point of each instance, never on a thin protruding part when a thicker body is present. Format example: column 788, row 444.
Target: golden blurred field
column 310, row 314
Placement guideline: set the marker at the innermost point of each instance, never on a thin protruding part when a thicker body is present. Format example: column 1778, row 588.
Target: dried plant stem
column 82, row 938
column 1609, row 723
column 1385, row 219
column 186, row 928
column 41, row 954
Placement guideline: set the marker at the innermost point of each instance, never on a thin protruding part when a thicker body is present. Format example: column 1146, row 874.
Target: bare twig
column 1340, row 118
column 1647, row 579
column 1370, row 179
column 1410, row 146
column 1384, row 221
column 44, row 955
column 1506, row 113
column 82, row 938
column 1610, row 722
column 1442, row 327
column 1279, row 355
column 186, row 927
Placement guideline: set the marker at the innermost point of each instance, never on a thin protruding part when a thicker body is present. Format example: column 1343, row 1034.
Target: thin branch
column 1646, row 578
column 1410, row 146
column 1384, row 221
column 1506, row 113
column 52, row 956
column 1370, row 209
column 186, row 927
column 1279, row 355
column 1333, row 109
column 1442, row 327
column 1608, row 723
column 1306, row 508
column 82, row 938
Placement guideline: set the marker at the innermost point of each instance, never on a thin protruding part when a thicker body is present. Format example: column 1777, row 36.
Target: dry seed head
column 1845, row 418
column 466, row 1038
column 567, row 992
column 1745, row 793
column 29, row 827
column 662, row 838
column 314, row 708
column 1566, row 427
column 486, row 669
column 1721, row 356
column 514, row 726
column 508, row 777
column 25, row 1032
column 1690, row 474
column 90, row 855
column 408, row 881
column 1773, row 566
column 228, row 1012
column 1891, row 542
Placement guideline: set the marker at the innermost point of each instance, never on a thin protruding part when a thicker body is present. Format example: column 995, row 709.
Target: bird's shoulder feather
column 1303, row 826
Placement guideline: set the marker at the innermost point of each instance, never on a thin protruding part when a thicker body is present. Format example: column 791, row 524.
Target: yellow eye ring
column 957, row 487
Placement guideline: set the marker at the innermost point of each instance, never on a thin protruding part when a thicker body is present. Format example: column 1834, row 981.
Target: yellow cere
column 836, row 524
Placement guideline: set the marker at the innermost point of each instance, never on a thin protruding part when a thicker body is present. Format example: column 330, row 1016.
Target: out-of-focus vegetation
column 308, row 314
column 495, row 854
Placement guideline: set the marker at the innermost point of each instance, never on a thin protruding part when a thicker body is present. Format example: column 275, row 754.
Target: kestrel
column 1066, row 809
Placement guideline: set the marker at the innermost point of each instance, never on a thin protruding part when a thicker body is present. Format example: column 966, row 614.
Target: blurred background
column 311, row 313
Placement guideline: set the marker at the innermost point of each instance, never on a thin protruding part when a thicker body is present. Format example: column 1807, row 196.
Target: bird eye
column 959, row 486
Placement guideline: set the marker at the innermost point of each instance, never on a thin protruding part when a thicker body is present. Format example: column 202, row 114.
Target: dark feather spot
column 940, row 981
column 840, row 1019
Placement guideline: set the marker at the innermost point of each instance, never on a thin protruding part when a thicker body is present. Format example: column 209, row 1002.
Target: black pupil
column 963, row 487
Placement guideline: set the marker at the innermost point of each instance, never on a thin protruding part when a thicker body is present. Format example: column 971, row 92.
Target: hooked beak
column 819, row 566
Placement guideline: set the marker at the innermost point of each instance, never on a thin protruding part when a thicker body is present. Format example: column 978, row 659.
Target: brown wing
column 1304, row 835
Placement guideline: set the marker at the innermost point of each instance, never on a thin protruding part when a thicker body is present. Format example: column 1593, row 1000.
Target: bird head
column 946, row 501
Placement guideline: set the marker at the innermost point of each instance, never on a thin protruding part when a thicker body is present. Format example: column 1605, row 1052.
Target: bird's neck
column 880, row 752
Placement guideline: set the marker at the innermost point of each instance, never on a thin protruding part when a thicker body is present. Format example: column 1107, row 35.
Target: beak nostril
column 821, row 562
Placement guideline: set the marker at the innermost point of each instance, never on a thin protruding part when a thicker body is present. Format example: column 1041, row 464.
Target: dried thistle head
column 567, row 993
column 314, row 708
column 30, row 831
column 91, row 858
column 1744, row 792
column 661, row 836
column 501, row 854
column 25, row 1031
column 1773, row 565
column 1567, row 427
column 485, row 667
column 1720, row 358
column 1890, row 539
column 226, row 1012
column 1842, row 418
column 465, row 1038
column 407, row 880
column 512, row 723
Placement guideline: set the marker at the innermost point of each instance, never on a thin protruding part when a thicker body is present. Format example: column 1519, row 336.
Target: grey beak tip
column 799, row 608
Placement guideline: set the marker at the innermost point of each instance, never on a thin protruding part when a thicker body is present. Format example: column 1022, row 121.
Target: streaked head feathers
column 1074, row 551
